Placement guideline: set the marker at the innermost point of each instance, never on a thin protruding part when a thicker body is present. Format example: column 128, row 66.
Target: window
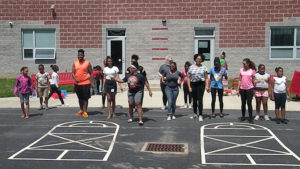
column 38, row 44
column 204, row 32
column 115, row 32
column 285, row 43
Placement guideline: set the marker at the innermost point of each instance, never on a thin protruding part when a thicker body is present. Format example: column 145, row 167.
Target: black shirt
column 135, row 82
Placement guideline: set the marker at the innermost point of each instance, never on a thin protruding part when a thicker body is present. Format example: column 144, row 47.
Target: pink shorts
column 261, row 93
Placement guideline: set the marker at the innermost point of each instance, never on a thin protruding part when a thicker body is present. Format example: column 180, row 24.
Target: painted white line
column 62, row 155
column 268, row 135
column 49, row 145
column 91, row 122
column 219, row 126
column 235, row 164
column 53, row 149
column 83, row 142
column 203, row 159
column 254, row 154
column 236, row 136
column 111, row 145
column 233, row 128
column 250, row 159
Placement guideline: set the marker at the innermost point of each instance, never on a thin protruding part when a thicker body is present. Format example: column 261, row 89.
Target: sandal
column 141, row 123
column 221, row 115
column 27, row 117
column 213, row 115
column 23, row 116
column 129, row 120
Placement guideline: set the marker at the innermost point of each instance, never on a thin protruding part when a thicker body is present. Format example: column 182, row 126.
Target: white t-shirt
column 279, row 84
column 110, row 72
column 54, row 79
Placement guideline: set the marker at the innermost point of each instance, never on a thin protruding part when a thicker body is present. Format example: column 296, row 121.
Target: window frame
column 35, row 48
column 294, row 47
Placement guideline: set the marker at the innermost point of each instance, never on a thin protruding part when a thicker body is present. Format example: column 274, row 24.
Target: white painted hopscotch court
column 243, row 144
column 73, row 141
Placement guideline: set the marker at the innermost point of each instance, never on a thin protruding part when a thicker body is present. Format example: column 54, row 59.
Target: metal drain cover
column 166, row 148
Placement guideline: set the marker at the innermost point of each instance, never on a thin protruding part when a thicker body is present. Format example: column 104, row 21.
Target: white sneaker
column 44, row 106
column 190, row 106
column 173, row 117
column 267, row 118
column 185, row 106
column 193, row 116
column 163, row 107
column 63, row 105
column 256, row 117
column 200, row 118
column 169, row 118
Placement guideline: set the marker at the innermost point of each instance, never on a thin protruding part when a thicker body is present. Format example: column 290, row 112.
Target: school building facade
column 48, row 32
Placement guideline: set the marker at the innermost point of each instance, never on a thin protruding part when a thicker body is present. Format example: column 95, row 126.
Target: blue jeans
column 172, row 94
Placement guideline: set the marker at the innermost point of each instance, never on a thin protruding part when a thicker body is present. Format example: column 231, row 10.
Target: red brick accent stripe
column 160, row 49
column 156, row 29
column 158, row 58
column 159, row 38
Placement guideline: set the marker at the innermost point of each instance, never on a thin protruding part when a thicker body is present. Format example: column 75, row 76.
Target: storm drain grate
column 173, row 148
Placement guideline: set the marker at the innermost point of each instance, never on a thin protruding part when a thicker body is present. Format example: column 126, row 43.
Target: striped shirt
column 197, row 73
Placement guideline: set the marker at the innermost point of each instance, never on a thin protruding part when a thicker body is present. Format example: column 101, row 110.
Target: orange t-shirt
column 81, row 72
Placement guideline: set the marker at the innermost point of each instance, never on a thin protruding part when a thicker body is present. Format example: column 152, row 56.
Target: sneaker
column 173, row 117
column 200, row 118
column 44, row 106
column 85, row 115
column 185, row 106
column 41, row 107
column 266, row 117
column 251, row 121
column 190, row 106
column 193, row 116
column 242, row 119
column 284, row 121
column 79, row 113
column 169, row 118
column 278, row 121
column 163, row 107
column 256, row 117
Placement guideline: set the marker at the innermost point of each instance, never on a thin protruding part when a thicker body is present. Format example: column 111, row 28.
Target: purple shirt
column 23, row 85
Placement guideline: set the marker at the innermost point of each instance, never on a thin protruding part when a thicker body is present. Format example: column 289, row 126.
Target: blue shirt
column 216, row 77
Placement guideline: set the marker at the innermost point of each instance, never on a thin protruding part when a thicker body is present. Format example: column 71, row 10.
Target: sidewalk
column 230, row 102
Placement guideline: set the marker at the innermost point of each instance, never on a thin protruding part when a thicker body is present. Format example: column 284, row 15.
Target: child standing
column 42, row 86
column 54, row 88
column 23, row 89
column 186, row 92
column 224, row 80
column 216, row 75
column 280, row 89
column 261, row 93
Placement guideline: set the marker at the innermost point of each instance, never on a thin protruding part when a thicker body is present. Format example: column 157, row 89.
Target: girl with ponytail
column 245, row 87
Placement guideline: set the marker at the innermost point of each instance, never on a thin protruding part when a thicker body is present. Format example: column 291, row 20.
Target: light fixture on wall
column 52, row 8
column 11, row 24
column 164, row 22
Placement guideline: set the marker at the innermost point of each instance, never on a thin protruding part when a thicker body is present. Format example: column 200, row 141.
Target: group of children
column 259, row 84
column 24, row 88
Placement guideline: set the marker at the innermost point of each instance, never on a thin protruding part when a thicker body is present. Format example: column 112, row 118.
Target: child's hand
column 289, row 98
column 16, row 95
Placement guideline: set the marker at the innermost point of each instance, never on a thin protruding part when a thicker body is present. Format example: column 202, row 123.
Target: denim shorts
column 24, row 98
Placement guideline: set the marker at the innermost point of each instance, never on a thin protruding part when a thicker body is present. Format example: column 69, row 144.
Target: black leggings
column 213, row 98
column 165, row 99
column 103, row 98
column 246, row 97
column 54, row 89
column 197, row 94
column 186, row 93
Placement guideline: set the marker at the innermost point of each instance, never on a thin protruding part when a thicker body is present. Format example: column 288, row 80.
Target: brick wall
column 242, row 22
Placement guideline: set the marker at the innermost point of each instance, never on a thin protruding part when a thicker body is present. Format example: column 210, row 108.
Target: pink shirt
column 247, row 78
column 23, row 85
column 184, row 75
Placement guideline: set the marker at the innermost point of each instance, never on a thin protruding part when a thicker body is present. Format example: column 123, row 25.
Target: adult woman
column 162, row 70
column 197, row 80
column 245, row 87
column 170, row 78
column 110, row 86
column 216, row 75
column 136, row 82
